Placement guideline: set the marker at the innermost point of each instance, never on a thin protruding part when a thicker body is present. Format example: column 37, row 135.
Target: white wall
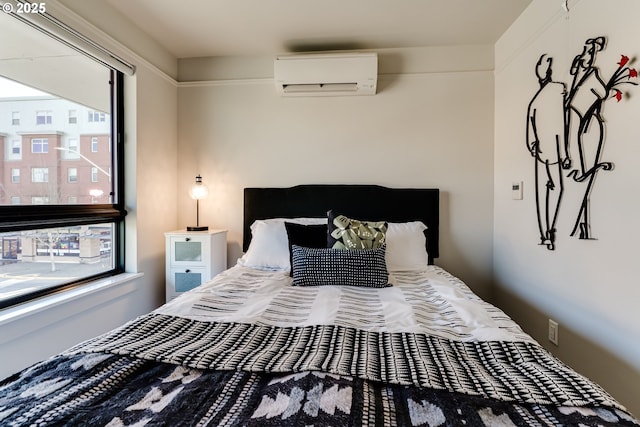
column 150, row 175
column 430, row 125
column 589, row 286
column 151, row 142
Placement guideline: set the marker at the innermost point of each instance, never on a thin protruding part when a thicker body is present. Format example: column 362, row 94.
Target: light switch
column 516, row 190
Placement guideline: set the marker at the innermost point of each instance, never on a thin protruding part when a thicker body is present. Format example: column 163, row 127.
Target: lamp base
column 199, row 228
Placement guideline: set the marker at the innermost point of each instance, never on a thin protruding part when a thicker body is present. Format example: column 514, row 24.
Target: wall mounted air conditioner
column 326, row 74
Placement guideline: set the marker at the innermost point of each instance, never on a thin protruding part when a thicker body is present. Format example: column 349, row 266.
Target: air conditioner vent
column 336, row 74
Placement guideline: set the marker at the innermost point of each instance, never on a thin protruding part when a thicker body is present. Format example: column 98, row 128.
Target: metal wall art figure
column 563, row 121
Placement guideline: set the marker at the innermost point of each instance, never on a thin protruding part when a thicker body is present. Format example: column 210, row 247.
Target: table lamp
column 197, row 192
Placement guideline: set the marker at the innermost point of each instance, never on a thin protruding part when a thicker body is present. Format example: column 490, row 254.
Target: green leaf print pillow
column 353, row 234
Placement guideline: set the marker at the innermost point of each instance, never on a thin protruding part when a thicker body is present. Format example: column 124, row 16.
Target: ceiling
column 195, row 28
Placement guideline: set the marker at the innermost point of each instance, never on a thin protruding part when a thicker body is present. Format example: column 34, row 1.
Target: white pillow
column 406, row 250
column 269, row 247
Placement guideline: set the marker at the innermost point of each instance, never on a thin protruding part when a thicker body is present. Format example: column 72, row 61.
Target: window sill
column 117, row 283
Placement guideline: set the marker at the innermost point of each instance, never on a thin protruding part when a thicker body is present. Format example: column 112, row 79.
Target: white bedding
column 431, row 302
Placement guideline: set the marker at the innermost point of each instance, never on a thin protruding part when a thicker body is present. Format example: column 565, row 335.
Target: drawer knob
column 187, row 271
column 187, row 239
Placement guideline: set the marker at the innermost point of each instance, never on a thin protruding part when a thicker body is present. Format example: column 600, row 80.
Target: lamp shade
column 199, row 190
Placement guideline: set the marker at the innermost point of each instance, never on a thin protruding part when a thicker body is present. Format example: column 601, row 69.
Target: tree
column 49, row 238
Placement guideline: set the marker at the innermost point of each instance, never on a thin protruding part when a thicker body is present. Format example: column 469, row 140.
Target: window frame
column 73, row 145
column 73, row 117
column 43, row 143
column 46, row 116
column 96, row 117
column 39, row 172
column 16, row 143
column 72, row 178
column 33, row 217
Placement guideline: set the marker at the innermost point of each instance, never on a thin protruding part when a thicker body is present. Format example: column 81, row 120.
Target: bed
column 308, row 329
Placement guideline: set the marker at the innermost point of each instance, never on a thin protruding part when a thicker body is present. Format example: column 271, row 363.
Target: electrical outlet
column 553, row 331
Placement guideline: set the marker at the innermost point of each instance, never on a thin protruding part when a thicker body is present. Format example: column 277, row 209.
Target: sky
column 11, row 89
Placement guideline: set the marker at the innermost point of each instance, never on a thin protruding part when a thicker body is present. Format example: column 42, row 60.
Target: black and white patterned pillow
column 307, row 235
column 326, row 266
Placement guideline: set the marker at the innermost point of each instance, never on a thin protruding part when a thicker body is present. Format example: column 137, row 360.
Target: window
column 39, row 200
column 10, row 248
column 73, row 149
column 43, row 117
column 72, row 175
column 94, row 144
column 69, row 230
column 39, row 174
column 39, row 145
column 16, row 147
column 96, row 116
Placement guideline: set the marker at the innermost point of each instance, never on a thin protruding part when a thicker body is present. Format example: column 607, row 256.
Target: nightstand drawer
column 188, row 251
column 184, row 279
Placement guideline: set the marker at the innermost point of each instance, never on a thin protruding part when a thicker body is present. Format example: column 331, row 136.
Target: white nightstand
column 192, row 258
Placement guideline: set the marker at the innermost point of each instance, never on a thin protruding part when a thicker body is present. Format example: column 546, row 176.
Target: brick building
column 54, row 151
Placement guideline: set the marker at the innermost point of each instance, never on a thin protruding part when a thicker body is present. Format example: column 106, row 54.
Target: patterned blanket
column 508, row 371
column 357, row 362
column 100, row 389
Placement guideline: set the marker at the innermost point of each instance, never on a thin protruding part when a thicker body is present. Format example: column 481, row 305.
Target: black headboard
column 365, row 202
